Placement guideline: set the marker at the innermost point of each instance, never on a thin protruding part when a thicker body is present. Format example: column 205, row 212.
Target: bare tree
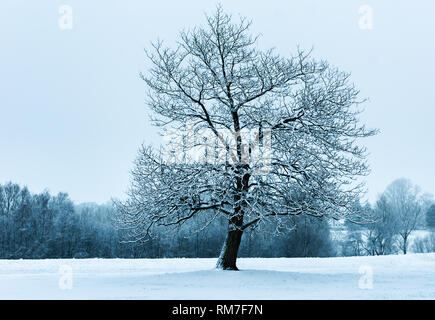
column 301, row 159
column 379, row 236
column 406, row 202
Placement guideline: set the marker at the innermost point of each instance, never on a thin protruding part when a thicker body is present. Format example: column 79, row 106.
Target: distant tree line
column 38, row 226
column 399, row 211
column 34, row 226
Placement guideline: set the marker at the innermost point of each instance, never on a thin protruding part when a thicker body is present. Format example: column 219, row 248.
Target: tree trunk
column 405, row 244
column 228, row 256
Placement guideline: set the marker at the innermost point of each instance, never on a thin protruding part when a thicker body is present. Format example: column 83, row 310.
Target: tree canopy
column 258, row 136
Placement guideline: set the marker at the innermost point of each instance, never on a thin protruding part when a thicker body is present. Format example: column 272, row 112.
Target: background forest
column 39, row 226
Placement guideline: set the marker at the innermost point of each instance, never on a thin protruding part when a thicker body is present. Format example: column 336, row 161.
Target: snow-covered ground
column 394, row 277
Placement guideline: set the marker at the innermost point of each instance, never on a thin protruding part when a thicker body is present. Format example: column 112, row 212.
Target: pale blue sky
column 72, row 111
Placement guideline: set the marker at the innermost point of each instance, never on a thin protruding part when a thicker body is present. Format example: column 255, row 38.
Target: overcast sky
column 72, row 112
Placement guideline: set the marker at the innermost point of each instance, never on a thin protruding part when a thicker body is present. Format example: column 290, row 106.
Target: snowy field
column 394, row 277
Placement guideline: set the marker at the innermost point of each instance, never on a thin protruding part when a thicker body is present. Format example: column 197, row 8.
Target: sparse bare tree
column 302, row 159
column 406, row 202
column 379, row 235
